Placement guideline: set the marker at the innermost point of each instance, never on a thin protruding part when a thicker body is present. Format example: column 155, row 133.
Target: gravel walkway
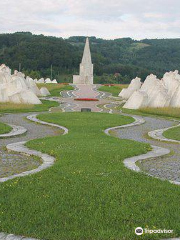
column 12, row 163
column 167, row 167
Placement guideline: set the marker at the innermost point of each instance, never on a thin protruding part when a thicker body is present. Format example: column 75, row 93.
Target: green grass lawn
column 161, row 112
column 165, row 112
column 115, row 90
column 4, row 128
column 88, row 193
column 173, row 133
column 20, row 108
column 55, row 89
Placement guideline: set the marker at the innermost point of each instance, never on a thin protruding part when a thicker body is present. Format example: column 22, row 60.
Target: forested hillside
column 117, row 60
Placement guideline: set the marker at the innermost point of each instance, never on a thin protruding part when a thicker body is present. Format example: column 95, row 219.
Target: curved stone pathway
column 165, row 167
column 154, row 153
column 70, row 93
column 12, row 163
column 16, row 130
column 20, row 147
column 101, row 94
column 15, row 163
column 158, row 134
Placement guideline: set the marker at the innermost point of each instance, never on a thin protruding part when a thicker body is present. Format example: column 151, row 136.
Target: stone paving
column 16, row 130
column 87, row 91
column 167, row 167
column 12, row 163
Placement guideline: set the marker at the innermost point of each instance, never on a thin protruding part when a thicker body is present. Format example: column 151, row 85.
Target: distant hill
column 128, row 57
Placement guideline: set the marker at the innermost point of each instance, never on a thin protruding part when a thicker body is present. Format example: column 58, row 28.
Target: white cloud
column 102, row 18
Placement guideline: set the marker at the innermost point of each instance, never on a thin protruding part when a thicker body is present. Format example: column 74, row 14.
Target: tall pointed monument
column 86, row 67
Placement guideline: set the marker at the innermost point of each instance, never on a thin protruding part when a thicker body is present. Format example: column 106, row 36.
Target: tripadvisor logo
column 138, row 231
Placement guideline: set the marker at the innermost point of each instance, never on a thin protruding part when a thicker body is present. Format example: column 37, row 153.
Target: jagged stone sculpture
column 86, row 68
column 47, row 80
column 41, row 80
column 171, row 81
column 175, row 101
column 32, row 85
column 44, row 92
column 137, row 100
column 156, row 93
column 54, row 81
column 5, row 77
column 134, row 85
column 14, row 88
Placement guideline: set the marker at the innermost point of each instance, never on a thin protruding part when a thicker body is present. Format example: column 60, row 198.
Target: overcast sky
column 108, row 19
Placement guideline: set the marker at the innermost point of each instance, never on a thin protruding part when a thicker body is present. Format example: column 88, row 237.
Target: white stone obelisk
column 86, row 67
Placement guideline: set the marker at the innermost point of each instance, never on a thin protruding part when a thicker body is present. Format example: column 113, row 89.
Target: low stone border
column 171, row 239
column 16, row 131
column 138, row 121
column 4, row 236
column 69, row 93
column 158, row 135
column 34, row 118
column 131, row 162
column 156, row 152
column 101, row 94
column 20, row 147
column 48, row 161
column 109, row 109
column 73, row 106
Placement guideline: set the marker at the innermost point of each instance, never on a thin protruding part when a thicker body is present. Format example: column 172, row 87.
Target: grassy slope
column 19, row 108
column 161, row 112
column 165, row 112
column 55, row 89
column 4, row 128
column 88, row 193
column 173, row 133
column 115, row 90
